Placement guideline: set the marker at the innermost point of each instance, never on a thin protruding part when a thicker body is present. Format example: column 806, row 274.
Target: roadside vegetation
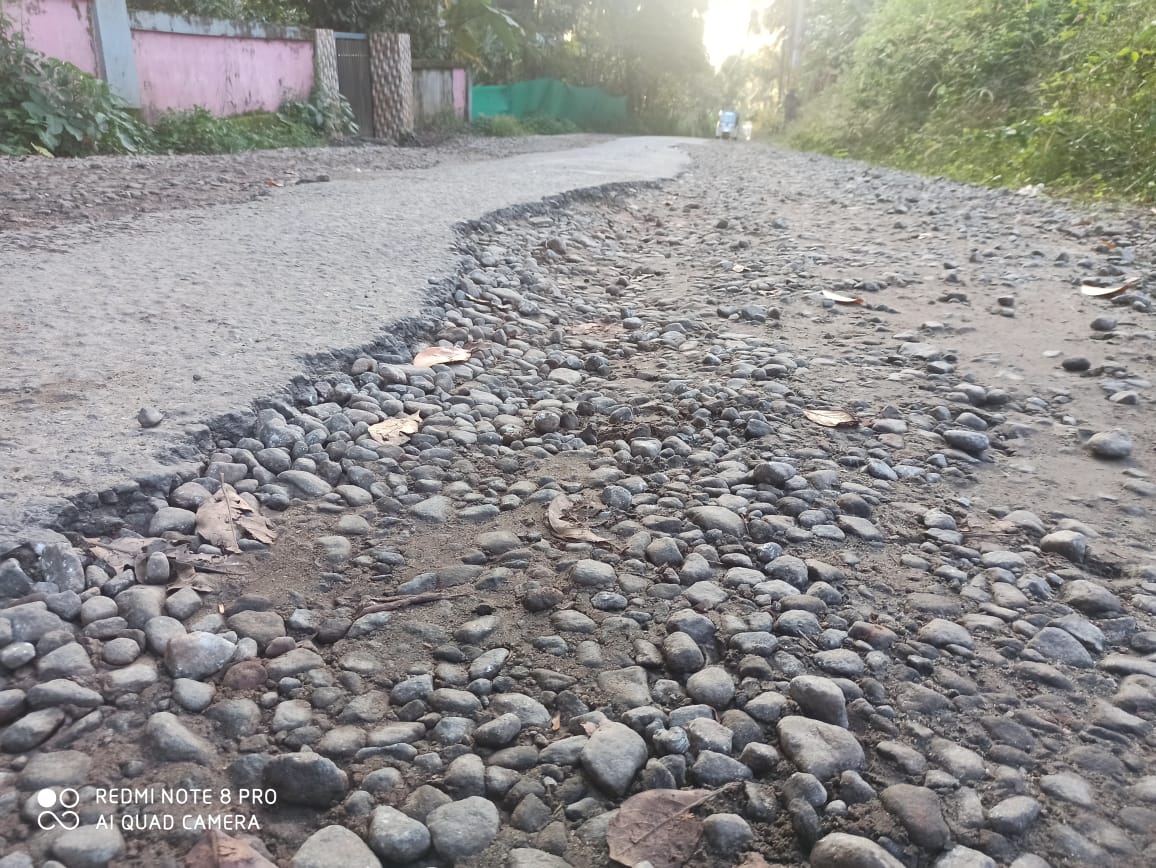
column 998, row 92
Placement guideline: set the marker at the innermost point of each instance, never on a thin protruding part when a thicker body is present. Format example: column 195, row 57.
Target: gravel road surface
column 199, row 312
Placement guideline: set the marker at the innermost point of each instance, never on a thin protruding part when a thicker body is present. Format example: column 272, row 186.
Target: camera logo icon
column 49, row 801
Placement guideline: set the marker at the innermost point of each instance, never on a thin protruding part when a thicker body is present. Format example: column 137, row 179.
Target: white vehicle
column 727, row 126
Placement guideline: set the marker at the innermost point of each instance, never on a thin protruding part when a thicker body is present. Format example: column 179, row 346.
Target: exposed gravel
column 887, row 645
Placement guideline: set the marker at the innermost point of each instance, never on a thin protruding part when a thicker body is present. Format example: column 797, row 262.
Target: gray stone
column 529, row 711
column 60, row 691
column 175, row 743
column 31, row 730
column 965, row 857
column 821, row 749
column 528, row 857
column 334, row 847
column 63, row 567
column 727, row 834
column 198, row 655
column 61, row 768
column 1014, row 815
column 589, row 573
column 840, row 850
column 172, row 519
column 461, row 829
column 819, row 698
column 14, row 582
column 1090, row 598
column 192, row 695
column 1060, row 646
column 1067, row 543
column 67, row 661
column 920, row 812
column 306, row 779
column 88, row 846
column 1111, row 445
column 965, row 440
column 304, row 484
column 397, row 838
column 262, row 627
column 718, row 518
column 436, row 510
column 613, row 755
column 711, row 686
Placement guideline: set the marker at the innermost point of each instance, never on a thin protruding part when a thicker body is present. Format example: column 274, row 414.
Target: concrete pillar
column 391, row 70
column 113, row 41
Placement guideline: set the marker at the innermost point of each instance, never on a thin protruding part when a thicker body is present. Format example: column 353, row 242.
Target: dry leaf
column 585, row 328
column 738, row 268
column 218, row 850
column 589, row 727
column 832, row 418
column 839, row 298
column 655, row 827
column 123, row 552
column 395, row 431
column 441, row 356
column 226, row 517
column 754, row 860
column 556, row 721
column 1108, row 291
column 269, row 182
column 563, row 527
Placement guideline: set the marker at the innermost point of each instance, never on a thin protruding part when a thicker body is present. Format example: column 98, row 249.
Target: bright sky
column 725, row 29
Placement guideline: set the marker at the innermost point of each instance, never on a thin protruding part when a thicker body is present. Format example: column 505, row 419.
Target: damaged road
column 825, row 503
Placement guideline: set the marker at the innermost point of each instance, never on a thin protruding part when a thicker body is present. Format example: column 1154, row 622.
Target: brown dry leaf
column 832, row 418
column 654, row 827
column 1108, row 291
column 441, row 356
column 556, row 722
column 123, row 552
column 564, row 527
column 584, row 328
column 839, row 298
column 589, row 727
column 226, row 517
column 218, row 850
column 754, row 860
column 269, row 182
column 395, row 431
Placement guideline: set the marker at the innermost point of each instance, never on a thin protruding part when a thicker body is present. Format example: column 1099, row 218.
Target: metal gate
column 353, row 77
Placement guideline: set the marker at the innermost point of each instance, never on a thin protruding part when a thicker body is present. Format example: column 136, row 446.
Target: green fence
column 548, row 97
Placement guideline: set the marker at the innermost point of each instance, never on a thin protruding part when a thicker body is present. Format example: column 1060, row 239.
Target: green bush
column 1061, row 94
column 540, row 125
column 504, row 126
column 447, row 123
column 52, row 108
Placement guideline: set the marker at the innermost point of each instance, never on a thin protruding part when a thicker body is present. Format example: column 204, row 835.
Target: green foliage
column 52, row 108
column 502, row 126
column 447, row 123
column 295, row 125
column 997, row 92
column 506, row 126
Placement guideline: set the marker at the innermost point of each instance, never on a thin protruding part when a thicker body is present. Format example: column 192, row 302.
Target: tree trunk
column 391, row 69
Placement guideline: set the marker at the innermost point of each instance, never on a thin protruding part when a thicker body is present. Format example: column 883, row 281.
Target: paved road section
column 200, row 312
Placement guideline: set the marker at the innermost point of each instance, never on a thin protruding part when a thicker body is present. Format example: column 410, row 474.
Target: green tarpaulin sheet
column 550, row 98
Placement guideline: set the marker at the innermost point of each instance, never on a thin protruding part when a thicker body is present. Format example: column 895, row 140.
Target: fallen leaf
column 585, row 328
column 122, row 552
column 832, row 418
column 754, row 860
column 226, row 517
column 589, row 727
column 839, row 298
column 218, row 850
column 564, row 527
column 1108, row 291
column 556, row 722
column 655, row 827
column 737, row 268
column 395, row 431
column 269, row 182
column 441, row 356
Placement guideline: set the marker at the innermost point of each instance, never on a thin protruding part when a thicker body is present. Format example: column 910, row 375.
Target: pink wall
column 225, row 75
column 58, row 28
column 460, row 92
